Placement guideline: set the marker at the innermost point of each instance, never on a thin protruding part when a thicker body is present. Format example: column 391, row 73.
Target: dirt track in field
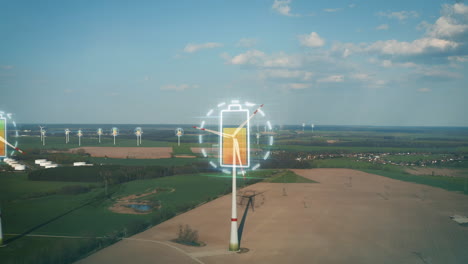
column 128, row 152
column 348, row 217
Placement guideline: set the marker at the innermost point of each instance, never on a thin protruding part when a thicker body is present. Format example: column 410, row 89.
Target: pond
column 140, row 207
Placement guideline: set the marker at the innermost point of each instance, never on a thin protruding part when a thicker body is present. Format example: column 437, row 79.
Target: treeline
column 59, row 158
column 390, row 143
column 114, row 174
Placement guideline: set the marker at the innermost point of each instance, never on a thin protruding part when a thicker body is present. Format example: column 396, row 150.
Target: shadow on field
column 251, row 202
column 94, row 200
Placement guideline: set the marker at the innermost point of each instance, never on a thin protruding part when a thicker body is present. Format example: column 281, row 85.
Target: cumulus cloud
column 297, row 86
column 382, row 27
column 191, row 48
column 259, row 58
column 311, row 40
column 460, row 8
column 389, row 63
column 282, row 7
column 285, row 74
column 246, row 42
column 395, row 47
column 400, row 15
column 332, row 79
column 452, row 24
column 180, row 87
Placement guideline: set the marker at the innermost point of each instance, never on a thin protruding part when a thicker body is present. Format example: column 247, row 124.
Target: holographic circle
column 179, row 132
column 138, row 131
column 114, row 131
column 261, row 130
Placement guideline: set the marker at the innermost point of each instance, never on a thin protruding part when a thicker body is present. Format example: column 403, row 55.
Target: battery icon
column 230, row 120
column 3, row 134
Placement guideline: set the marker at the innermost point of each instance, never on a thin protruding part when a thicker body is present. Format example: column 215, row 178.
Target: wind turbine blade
column 214, row 132
column 4, row 141
column 246, row 121
column 236, row 148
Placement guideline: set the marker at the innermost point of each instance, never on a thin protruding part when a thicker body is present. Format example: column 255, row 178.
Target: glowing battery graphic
column 230, row 120
column 3, row 134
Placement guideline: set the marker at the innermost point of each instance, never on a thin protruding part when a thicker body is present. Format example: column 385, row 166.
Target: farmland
column 74, row 218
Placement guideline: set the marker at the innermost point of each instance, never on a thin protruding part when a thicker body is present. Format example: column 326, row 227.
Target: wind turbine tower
column 80, row 134
column 43, row 135
column 312, row 127
column 234, row 151
column 99, row 132
column 138, row 133
column 179, row 132
column 303, row 127
column 67, row 136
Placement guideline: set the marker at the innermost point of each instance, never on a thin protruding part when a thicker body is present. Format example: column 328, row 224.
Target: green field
column 457, row 184
column 48, row 213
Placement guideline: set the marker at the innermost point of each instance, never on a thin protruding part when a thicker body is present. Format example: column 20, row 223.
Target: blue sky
column 149, row 62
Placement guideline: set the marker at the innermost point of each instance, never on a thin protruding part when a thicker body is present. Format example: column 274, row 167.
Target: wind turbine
column 80, row 134
column 303, row 126
column 179, row 132
column 41, row 131
column 99, row 132
column 312, row 127
column 115, row 132
column 236, row 159
column 43, row 135
column 138, row 132
column 67, row 135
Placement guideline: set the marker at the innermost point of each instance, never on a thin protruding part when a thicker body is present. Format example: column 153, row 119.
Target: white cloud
column 286, row 74
column 260, row 59
column 181, row 87
column 382, row 27
column 460, row 8
column 447, row 27
column 246, row 42
column 311, row 40
column 361, row 76
column 395, row 47
column 458, row 58
column 400, row 15
column 249, row 57
column 297, row 86
column 190, row 48
column 424, row 90
column 389, row 63
column 282, row 7
column 332, row 78
column 331, row 10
